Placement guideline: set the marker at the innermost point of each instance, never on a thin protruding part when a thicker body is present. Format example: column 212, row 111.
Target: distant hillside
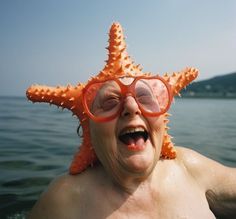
column 220, row 86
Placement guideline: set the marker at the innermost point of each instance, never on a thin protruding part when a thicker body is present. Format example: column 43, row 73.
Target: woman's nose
column 130, row 107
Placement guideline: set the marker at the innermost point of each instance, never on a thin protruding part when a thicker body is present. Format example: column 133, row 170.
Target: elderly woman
column 136, row 171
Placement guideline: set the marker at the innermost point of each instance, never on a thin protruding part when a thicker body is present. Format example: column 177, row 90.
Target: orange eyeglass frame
column 126, row 89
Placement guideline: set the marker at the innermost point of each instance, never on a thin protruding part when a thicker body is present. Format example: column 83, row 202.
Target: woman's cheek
column 102, row 137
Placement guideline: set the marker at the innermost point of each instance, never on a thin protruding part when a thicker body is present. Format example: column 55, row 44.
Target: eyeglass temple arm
column 180, row 80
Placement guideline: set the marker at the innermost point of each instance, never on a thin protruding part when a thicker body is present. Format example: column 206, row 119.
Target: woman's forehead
column 110, row 83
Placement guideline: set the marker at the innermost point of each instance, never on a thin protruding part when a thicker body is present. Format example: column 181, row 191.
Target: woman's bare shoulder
column 58, row 199
column 209, row 173
column 192, row 158
column 195, row 162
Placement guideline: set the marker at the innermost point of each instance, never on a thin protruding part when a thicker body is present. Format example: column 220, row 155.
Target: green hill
column 220, row 86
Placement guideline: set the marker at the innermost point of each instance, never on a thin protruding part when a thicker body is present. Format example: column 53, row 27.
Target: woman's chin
column 138, row 161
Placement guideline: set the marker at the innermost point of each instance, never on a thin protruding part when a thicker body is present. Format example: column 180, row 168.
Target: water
column 37, row 143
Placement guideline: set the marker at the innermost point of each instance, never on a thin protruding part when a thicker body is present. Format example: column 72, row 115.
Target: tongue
column 135, row 144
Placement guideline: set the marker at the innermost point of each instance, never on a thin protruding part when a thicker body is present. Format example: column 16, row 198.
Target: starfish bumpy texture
column 119, row 64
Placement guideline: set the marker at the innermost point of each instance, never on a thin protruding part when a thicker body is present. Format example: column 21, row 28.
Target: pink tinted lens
column 152, row 95
column 103, row 99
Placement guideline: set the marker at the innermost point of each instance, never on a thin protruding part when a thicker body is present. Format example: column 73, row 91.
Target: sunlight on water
column 17, row 216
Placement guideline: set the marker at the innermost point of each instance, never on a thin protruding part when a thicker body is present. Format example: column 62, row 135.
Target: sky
column 56, row 42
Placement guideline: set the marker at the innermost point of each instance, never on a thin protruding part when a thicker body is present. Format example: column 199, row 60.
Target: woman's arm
column 218, row 181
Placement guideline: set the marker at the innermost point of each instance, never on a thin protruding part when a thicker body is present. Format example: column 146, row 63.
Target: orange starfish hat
column 118, row 64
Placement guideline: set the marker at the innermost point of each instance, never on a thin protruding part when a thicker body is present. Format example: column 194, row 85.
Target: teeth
column 132, row 130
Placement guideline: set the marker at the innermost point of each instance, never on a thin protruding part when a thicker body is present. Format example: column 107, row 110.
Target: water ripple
column 26, row 182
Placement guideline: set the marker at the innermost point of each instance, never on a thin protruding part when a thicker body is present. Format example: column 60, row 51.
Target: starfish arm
column 61, row 96
column 167, row 151
column 181, row 80
column 178, row 81
column 83, row 158
column 68, row 97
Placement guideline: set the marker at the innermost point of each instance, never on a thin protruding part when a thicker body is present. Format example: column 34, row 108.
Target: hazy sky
column 59, row 42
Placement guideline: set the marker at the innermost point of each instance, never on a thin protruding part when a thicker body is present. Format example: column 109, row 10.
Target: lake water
column 37, row 143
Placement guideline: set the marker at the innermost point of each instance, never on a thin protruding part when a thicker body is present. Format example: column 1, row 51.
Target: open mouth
column 134, row 138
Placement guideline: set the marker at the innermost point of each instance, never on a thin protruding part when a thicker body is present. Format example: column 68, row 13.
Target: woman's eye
column 109, row 103
column 144, row 95
column 142, row 92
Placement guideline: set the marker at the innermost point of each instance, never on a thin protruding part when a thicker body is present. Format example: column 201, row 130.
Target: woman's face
column 130, row 143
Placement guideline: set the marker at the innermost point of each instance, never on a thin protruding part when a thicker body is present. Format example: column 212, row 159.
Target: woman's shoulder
column 208, row 172
column 194, row 162
column 60, row 196
column 67, row 184
column 190, row 157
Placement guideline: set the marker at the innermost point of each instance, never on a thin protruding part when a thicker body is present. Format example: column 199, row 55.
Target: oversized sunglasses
column 103, row 100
